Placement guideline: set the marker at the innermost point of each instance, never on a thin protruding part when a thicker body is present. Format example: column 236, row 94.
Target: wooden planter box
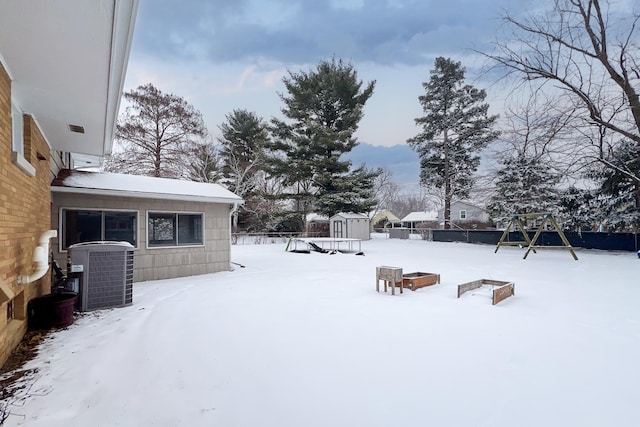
column 419, row 279
column 501, row 291
column 390, row 276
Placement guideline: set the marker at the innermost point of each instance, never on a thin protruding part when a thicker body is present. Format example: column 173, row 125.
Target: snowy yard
column 297, row 340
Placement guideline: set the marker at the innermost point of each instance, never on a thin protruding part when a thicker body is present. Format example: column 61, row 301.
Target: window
column 16, row 308
column 463, row 214
column 174, row 229
column 10, row 310
column 17, row 130
column 89, row 225
column 17, row 141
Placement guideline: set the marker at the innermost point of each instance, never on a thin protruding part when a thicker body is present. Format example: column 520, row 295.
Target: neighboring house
column 383, row 217
column 317, row 225
column 413, row 219
column 464, row 212
column 178, row 228
column 62, row 69
column 349, row 225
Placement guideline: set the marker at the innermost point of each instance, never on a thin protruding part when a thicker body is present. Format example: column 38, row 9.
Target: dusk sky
column 223, row 55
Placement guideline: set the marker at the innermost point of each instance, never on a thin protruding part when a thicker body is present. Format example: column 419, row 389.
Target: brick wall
column 25, row 213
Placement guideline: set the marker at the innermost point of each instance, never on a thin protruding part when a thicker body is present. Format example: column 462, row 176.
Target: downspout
column 234, row 208
column 40, row 258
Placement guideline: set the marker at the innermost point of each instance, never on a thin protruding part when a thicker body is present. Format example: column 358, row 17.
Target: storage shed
column 349, row 226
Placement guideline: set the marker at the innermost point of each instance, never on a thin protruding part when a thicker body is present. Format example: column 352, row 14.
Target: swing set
column 547, row 218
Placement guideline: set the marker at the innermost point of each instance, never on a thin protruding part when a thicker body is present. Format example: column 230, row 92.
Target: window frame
column 176, row 215
column 17, row 140
column 62, row 226
column 463, row 214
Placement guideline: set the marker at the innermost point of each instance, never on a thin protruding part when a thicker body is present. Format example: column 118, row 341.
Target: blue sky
column 227, row 54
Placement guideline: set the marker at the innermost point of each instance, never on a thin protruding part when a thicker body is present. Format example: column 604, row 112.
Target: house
column 62, row 69
column 383, row 218
column 178, row 228
column 350, row 226
column 465, row 213
column 317, row 225
column 414, row 219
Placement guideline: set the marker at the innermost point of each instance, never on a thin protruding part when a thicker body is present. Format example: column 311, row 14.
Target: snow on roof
column 421, row 216
column 351, row 215
column 385, row 213
column 116, row 184
column 316, row 217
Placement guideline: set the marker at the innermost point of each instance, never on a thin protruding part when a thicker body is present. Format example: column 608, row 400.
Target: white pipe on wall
column 232, row 210
column 40, row 258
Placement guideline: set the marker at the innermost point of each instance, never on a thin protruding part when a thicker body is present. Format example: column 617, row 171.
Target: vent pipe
column 40, row 258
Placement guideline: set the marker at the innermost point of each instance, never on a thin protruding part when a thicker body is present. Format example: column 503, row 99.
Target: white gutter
column 122, row 29
column 40, row 258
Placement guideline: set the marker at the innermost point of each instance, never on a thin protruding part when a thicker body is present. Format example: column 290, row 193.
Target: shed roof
column 350, row 215
column 116, row 184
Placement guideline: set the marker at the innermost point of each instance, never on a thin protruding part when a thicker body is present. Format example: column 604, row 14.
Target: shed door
column 337, row 229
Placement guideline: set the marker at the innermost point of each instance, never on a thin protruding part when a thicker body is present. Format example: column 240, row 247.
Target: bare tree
column 384, row 191
column 205, row 163
column 589, row 50
column 541, row 127
column 154, row 135
column 265, row 210
column 421, row 201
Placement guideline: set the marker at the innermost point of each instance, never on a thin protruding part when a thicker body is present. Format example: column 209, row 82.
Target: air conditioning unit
column 103, row 272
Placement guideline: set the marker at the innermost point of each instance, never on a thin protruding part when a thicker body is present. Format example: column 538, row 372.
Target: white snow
column 305, row 340
column 145, row 186
column 421, row 216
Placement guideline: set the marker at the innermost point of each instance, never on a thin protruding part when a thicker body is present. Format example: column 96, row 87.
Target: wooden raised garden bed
column 419, row 279
column 501, row 289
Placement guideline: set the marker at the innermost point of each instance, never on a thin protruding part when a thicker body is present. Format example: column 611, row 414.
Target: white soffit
column 67, row 60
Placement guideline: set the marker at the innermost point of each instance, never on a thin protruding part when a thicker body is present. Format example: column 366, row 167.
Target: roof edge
column 5, row 65
column 124, row 19
column 146, row 195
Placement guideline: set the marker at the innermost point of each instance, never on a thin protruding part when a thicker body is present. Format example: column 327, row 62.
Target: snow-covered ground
column 305, row 340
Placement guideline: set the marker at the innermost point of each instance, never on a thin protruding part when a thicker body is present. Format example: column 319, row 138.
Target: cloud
column 227, row 54
column 304, row 31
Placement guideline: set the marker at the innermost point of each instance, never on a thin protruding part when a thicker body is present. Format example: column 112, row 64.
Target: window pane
column 120, row 227
column 161, row 229
column 189, row 229
column 17, row 125
column 81, row 226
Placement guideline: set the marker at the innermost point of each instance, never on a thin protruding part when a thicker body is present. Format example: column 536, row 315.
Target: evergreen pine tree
column 243, row 141
column 456, row 126
column 578, row 208
column 323, row 108
column 619, row 191
column 352, row 192
column 524, row 185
